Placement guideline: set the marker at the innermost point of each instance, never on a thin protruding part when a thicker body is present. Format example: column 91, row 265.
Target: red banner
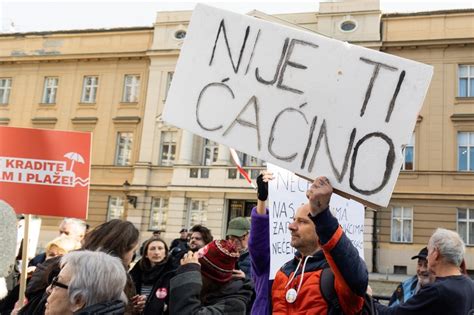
column 45, row 172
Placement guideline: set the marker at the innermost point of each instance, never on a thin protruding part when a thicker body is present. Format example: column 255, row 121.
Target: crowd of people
column 95, row 271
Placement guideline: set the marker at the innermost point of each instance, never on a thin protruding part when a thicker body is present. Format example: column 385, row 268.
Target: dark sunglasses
column 56, row 283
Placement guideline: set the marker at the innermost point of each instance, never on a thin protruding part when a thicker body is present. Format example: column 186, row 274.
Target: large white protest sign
column 305, row 102
column 286, row 193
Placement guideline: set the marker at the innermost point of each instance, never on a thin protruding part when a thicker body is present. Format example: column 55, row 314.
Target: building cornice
column 44, row 120
column 429, row 43
column 81, row 31
column 139, row 55
column 126, row 120
column 462, row 117
column 84, row 120
column 427, row 13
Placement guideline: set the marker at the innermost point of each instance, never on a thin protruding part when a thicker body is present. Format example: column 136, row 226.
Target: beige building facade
column 93, row 81
column 114, row 83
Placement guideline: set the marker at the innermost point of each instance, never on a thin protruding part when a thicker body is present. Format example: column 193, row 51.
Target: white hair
column 96, row 277
column 81, row 225
column 449, row 244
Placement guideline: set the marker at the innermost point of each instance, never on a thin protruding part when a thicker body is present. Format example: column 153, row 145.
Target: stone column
column 223, row 157
column 186, row 148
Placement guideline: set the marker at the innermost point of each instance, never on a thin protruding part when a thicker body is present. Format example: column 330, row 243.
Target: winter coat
column 259, row 250
column 233, row 297
column 350, row 273
column 159, row 276
column 404, row 291
column 244, row 264
column 116, row 307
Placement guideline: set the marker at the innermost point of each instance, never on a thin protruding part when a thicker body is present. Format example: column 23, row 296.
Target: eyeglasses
column 56, row 283
column 240, row 238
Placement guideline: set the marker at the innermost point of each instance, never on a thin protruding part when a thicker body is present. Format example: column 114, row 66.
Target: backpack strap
column 326, row 283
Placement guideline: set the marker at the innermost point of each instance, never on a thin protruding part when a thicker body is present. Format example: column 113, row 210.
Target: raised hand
column 190, row 258
column 319, row 194
column 262, row 185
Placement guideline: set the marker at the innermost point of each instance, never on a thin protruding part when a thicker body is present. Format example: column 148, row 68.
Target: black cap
column 183, row 230
column 422, row 254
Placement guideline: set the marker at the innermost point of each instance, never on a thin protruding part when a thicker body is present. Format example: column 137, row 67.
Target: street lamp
column 128, row 199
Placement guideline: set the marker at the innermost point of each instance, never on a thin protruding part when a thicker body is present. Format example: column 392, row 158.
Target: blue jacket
column 404, row 291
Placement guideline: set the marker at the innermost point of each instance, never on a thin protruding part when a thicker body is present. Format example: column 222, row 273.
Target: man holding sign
column 322, row 245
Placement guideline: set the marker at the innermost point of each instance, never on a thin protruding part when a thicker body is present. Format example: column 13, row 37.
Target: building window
column 123, row 152
column 465, row 151
column 402, row 225
column 168, row 148
column 180, row 34
column 232, row 173
column 409, row 155
column 466, row 225
column 158, row 214
column 5, row 87
column 199, row 173
column 248, row 160
column 348, row 25
column 466, row 80
column 210, row 152
column 115, row 208
column 169, row 78
column 50, row 90
column 197, row 212
column 89, row 89
column 131, row 88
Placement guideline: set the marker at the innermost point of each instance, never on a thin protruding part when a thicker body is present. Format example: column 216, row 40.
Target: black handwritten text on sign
column 310, row 104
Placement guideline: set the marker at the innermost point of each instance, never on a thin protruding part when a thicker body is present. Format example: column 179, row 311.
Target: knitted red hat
column 218, row 259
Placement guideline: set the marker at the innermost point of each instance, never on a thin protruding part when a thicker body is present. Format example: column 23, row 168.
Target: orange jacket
column 339, row 254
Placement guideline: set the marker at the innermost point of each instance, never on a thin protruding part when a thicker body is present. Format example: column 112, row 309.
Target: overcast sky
column 37, row 15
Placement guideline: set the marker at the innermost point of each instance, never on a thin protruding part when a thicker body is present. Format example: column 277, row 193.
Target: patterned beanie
column 218, row 259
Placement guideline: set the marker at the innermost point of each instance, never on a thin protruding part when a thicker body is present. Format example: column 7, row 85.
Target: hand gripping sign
column 45, row 172
column 307, row 103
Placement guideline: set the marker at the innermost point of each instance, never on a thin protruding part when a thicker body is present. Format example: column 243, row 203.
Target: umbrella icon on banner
column 74, row 157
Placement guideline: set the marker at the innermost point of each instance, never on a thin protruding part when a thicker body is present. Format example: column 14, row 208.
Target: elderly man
column 452, row 292
column 88, row 283
column 74, row 228
column 412, row 285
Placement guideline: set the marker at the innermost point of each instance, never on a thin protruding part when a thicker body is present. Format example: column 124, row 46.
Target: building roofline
column 79, row 31
column 421, row 13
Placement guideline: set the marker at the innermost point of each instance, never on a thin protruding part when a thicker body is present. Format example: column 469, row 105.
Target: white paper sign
column 35, row 228
column 308, row 103
column 287, row 192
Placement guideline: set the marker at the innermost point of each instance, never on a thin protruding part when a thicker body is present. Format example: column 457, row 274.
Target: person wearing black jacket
column 452, row 292
column 151, row 275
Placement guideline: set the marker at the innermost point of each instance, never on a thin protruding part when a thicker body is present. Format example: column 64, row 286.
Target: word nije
column 32, row 171
column 314, row 137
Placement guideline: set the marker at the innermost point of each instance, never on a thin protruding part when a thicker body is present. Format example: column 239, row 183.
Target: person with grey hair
column 451, row 292
column 72, row 227
column 88, row 283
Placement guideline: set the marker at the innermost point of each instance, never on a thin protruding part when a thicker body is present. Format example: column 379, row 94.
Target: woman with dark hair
column 152, row 273
column 120, row 239
column 117, row 238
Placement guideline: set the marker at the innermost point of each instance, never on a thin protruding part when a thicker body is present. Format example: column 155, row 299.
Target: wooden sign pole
column 24, row 260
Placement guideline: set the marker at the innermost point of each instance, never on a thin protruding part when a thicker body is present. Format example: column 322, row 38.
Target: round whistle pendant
column 291, row 295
